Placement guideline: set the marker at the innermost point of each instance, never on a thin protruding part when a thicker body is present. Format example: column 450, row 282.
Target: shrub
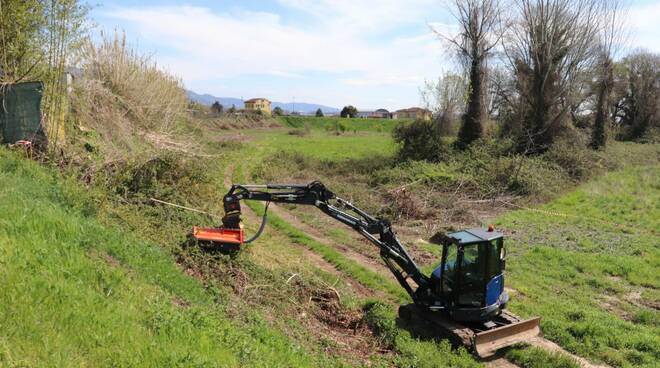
column 419, row 140
column 337, row 127
column 166, row 176
column 577, row 161
column 298, row 132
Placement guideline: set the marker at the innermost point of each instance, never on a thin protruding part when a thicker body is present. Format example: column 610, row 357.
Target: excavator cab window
column 448, row 270
column 473, row 267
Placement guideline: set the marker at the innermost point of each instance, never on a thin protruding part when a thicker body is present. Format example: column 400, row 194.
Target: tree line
column 541, row 70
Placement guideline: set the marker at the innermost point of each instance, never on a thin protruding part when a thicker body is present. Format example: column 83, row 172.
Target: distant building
column 364, row 114
column 258, row 104
column 378, row 114
column 382, row 113
column 415, row 113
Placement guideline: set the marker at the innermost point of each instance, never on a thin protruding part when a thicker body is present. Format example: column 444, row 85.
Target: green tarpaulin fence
column 20, row 111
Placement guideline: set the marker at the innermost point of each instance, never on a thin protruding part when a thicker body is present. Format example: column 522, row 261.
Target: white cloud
column 344, row 39
column 642, row 25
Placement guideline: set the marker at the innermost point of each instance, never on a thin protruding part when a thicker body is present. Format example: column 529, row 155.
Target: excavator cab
column 470, row 277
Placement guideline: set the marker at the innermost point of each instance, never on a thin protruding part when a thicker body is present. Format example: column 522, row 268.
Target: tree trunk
column 599, row 133
column 471, row 128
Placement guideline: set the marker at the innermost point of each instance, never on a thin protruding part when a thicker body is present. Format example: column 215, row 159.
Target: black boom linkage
column 378, row 231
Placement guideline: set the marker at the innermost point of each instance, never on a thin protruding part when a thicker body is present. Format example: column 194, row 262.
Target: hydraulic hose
column 264, row 219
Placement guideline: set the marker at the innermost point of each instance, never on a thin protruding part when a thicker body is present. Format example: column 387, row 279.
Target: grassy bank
column 588, row 263
column 76, row 293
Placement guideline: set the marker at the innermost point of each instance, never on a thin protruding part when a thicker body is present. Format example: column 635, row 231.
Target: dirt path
column 552, row 347
column 368, row 262
column 547, row 345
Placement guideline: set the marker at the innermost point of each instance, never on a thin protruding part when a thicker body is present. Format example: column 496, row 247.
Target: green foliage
column 319, row 113
column 216, row 108
column 420, row 140
column 338, row 127
column 349, row 111
column 277, row 111
column 637, row 100
column 80, row 294
column 22, row 47
column 166, row 176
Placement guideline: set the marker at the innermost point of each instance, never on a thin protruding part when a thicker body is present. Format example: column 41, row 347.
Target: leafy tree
column 36, row 37
column 638, row 100
column 21, row 45
column 277, row 111
column 445, row 97
column 319, row 113
column 349, row 111
column 217, row 108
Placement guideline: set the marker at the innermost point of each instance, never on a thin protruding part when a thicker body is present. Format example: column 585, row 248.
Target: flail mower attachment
column 230, row 236
column 225, row 239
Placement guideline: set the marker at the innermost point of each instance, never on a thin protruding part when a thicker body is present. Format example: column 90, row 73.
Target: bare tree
column 610, row 37
column 446, row 98
column 549, row 48
column 480, row 30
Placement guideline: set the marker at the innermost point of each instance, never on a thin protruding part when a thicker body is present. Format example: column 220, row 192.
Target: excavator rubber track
column 483, row 339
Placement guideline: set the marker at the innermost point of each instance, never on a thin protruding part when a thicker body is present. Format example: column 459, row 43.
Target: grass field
column 319, row 144
column 101, row 277
column 588, row 263
column 350, row 124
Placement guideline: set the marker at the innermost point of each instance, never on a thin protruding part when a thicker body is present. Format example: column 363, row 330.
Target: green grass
column 326, row 146
column 75, row 293
column 351, row 124
column 414, row 349
column 534, row 357
column 588, row 264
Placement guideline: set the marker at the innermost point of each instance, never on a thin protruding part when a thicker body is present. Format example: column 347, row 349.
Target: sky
column 368, row 53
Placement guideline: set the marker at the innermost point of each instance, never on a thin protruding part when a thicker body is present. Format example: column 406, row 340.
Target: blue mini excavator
column 464, row 297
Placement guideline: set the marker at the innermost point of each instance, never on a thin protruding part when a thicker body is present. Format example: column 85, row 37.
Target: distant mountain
column 208, row 100
column 227, row 102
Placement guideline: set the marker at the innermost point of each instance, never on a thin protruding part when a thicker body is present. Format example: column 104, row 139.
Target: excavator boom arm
column 377, row 231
